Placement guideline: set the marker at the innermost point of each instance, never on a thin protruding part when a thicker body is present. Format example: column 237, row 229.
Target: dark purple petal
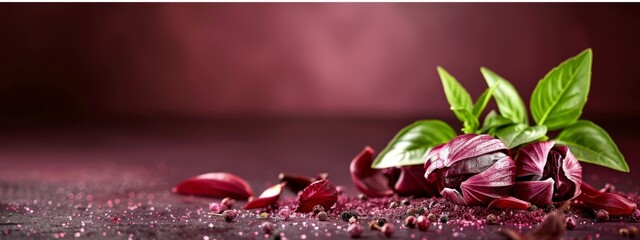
column 412, row 182
column 493, row 183
column 539, row 193
column 463, row 147
column 297, row 183
column 369, row 181
column 509, row 203
column 218, row 185
column 532, row 158
column 267, row 198
column 572, row 169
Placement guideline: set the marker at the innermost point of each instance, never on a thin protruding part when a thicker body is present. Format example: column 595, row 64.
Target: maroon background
column 256, row 89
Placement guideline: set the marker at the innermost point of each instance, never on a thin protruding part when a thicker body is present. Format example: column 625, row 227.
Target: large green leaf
column 560, row 96
column 457, row 96
column 520, row 133
column 590, row 143
column 507, row 98
column 483, row 100
column 411, row 144
column 494, row 120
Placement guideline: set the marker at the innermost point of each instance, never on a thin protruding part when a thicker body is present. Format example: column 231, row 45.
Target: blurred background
column 256, row 89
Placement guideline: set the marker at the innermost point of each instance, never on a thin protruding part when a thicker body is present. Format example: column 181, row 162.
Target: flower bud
column 471, row 169
column 546, row 174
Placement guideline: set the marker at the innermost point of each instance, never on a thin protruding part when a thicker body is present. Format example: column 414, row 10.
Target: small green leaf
column 507, row 98
column 411, row 144
column 470, row 122
column 590, row 143
column 520, row 133
column 457, row 96
column 483, row 100
column 494, row 120
column 558, row 99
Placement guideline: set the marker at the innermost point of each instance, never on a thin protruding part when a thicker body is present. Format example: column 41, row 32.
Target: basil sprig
column 556, row 105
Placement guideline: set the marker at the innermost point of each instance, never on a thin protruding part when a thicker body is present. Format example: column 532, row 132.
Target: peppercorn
column 624, row 232
column 533, row 208
column 323, row 216
column 432, row 217
column 491, row 219
column 267, row 227
column 410, row 221
column 444, row 218
column 229, row 215
column 549, row 208
column 420, row 210
column 346, row 215
column 387, row 230
column 393, row 205
column 227, row 202
column 405, row 202
column 355, row 230
column 602, row 216
column 411, row 212
column 381, row 221
column 423, row 223
column 317, row 208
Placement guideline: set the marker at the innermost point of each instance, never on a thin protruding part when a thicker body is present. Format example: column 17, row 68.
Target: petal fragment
column 267, row 198
column 217, row 185
column 369, row 181
column 611, row 202
column 320, row 192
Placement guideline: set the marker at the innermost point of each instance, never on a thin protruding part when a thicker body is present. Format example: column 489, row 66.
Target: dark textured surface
column 114, row 181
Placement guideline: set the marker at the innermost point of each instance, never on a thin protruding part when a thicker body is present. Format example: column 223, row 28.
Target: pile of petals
column 312, row 191
column 479, row 170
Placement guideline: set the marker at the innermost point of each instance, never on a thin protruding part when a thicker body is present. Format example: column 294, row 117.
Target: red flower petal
column 495, row 182
column 539, row 193
column 267, row 198
column 462, row 147
column 612, row 203
column 509, row 203
column 369, row 181
column 320, row 192
column 297, row 183
column 218, row 185
column 412, row 182
column 532, row 158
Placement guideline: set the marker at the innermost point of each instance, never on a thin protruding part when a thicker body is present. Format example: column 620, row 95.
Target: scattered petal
column 297, row 183
column 509, row 203
column 369, row 181
column 218, row 185
column 320, row 192
column 611, row 202
column 267, row 198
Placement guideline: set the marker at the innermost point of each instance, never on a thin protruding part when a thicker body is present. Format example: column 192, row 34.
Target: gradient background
column 257, row 89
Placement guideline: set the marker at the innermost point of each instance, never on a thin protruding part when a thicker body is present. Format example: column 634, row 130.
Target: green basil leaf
column 507, row 98
column 410, row 145
column 494, row 120
column 520, row 133
column 558, row 99
column 483, row 100
column 457, row 96
column 590, row 143
column 470, row 122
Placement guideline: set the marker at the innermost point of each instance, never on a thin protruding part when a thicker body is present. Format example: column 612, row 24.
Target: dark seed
column 393, row 205
column 444, row 218
column 624, row 232
column 346, row 215
column 229, row 215
column 381, row 221
column 633, row 231
column 432, row 217
column 317, row 208
column 533, row 208
column 411, row 212
column 405, row 202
